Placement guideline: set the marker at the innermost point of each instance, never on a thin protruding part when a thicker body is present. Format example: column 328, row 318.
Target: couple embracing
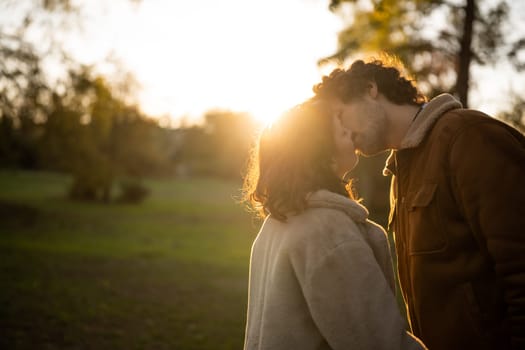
column 321, row 274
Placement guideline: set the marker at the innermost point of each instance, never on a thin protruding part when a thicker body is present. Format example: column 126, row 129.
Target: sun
column 275, row 102
column 186, row 69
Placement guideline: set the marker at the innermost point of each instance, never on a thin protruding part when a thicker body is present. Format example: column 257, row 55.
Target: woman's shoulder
column 337, row 219
column 329, row 220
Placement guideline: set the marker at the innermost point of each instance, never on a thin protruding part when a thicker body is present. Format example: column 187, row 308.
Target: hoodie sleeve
column 488, row 166
column 352, row 303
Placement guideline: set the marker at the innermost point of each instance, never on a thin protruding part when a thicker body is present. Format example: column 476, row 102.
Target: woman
column 320, row 273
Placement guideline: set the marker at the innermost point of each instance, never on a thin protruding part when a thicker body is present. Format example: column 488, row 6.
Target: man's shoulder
column 464, row 117
column 472, row 127
column 460, row 120
column 457, row 121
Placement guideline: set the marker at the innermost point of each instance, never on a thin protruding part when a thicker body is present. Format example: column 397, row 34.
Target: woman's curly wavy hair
column 348, row 84
column 293, row 158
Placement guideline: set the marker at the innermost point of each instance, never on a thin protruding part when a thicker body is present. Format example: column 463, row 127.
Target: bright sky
column 249, row 56
column 255, row 56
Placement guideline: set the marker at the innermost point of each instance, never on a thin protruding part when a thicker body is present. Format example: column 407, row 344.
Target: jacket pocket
column 425, row 229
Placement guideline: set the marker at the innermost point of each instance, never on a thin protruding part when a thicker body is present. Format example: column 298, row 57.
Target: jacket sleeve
column 352, row 303
column 488, row 169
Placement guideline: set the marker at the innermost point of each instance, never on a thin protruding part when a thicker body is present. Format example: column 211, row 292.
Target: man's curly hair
column 348, row 84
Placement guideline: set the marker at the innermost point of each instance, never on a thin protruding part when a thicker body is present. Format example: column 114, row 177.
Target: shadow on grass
column 16, row 215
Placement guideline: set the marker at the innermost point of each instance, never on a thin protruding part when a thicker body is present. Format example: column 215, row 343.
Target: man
column 457, row 205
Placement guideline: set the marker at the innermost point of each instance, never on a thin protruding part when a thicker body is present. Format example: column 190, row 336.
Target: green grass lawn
column 170, row 273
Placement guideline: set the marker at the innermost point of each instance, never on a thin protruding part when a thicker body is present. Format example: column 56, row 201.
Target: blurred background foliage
column 438, row 40
column 89, row 125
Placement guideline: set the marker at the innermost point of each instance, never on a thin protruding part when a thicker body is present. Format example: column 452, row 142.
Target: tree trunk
column 465, row 55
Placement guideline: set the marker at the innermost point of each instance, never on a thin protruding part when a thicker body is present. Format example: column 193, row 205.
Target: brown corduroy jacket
column 458, row 215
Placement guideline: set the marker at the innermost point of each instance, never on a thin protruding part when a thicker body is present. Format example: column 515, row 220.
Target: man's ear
column 372, row 89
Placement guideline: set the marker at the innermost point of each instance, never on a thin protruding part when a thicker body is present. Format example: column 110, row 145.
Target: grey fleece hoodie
column 324, row 280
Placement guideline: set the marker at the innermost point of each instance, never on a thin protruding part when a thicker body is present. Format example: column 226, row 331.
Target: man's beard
column 373, row 141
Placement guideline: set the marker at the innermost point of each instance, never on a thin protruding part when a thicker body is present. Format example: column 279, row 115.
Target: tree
column 79, row 123
column 24, row 94
column 439, row 57
column 220, row 147
column 32, row 32
column 82, row 125
column 516, row 115
column 98, row 138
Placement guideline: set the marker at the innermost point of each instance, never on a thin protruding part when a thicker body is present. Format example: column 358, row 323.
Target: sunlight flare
column 252, row 58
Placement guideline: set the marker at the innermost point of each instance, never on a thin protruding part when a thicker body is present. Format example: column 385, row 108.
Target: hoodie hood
column 429, row 114
column 327, row 199
column 424, row 122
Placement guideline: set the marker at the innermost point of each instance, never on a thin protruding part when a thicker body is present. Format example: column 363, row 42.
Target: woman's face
column 345, row 157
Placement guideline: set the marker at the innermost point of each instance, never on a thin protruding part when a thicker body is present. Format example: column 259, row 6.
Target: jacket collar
column 427, row 117
column 327, row 199
column 422, row 125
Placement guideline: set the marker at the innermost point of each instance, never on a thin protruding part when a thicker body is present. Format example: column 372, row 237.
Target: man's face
column 367, row 121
